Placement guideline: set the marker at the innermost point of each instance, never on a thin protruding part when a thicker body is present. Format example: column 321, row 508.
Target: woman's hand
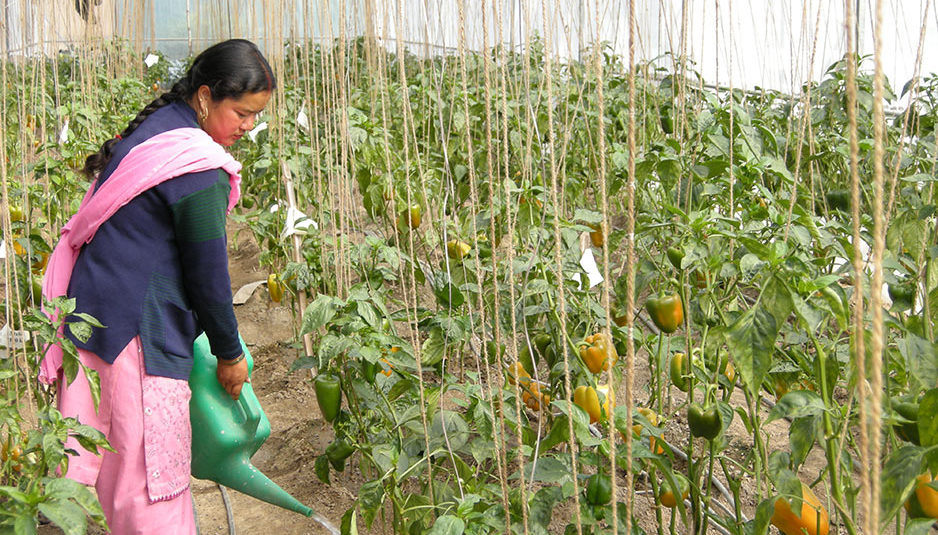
column 233, row 376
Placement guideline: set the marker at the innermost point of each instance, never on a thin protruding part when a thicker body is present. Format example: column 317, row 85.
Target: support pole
column 301, row 296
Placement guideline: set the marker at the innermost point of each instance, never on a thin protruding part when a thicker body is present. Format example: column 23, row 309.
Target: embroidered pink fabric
column 160, row 158
column 167, row 435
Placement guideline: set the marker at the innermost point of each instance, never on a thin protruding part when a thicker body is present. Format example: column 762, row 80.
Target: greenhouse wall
column 760, row 44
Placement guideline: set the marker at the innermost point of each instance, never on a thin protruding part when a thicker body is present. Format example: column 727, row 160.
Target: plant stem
column 829, row 434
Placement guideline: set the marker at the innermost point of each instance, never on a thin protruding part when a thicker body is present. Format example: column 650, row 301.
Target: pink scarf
column 160, row 158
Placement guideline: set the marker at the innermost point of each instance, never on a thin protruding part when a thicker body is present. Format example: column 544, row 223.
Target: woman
column 146, row 255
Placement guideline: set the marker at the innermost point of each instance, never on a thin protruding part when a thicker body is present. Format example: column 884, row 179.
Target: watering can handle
column 252, row 416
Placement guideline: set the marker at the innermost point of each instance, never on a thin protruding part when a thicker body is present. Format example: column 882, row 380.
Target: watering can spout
column 244, row 477
column 227, row 433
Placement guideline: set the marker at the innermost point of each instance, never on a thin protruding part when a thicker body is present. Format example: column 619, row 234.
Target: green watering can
column 227, row 433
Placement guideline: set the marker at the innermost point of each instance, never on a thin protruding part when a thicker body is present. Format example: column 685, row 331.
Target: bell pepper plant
column 666, row 311
column 599, row 353
column 704, row 422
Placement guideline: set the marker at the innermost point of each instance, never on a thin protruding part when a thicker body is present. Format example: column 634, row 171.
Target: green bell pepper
column 704, row 422
column 328, row 395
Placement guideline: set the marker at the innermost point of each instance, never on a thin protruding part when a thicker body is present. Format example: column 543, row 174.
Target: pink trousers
column 121, row 478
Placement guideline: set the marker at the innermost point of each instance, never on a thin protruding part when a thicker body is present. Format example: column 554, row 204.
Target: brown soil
column 299, row 434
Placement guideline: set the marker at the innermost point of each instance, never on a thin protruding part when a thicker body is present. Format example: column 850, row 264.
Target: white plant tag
column 296, row 223
column 302, row 120
column 588, row 263
column 12, row 339
column 257, row 130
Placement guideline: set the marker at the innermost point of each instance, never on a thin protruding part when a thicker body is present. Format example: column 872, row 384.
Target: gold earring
column 203, row 113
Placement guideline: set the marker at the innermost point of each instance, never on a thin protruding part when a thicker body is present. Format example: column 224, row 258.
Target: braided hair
column 229, row 69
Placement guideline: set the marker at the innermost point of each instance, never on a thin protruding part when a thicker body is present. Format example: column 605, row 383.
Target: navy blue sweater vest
column 159, row 266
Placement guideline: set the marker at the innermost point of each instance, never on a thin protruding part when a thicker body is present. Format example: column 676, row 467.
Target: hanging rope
column 494, row 386
column 477, row 316
column 913, row 93
column 9, row 268
column 510, row 251
column 732, row 135
column 555, row 200
column 874, row 418
column 341, row 74
column 603, row 203
column 630, row 275
column 859, row 275
column 805, row 119
column 410, row 287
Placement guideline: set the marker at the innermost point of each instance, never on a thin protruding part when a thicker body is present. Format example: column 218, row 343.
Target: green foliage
column 32, row 456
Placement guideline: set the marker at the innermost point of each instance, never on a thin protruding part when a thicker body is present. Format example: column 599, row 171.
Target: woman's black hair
column 230, row 69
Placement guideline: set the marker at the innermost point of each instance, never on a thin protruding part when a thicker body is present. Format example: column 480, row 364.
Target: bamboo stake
column 301, row 296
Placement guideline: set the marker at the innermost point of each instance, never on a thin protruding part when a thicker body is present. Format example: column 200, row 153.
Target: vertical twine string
column 408, row 277
column 328, row 96
column 419, row 161
column 41, row 123
column 929, row 326
column 681, row 68
column 530, row 124
column 597, row 67
column 491, row 168
column 805, row 118
column 411, row 297
column 310, row 90
column 812, row 170
column 326, row 74
column 346, row 156
column 473, row 193
column 876, row 364
column 510, row 222
column 329, row 74
column 9, row 268
column 913, row 93
column 732, row 119
column 858, row 334
column 630, row 275
column 337, row 81
column 558, row 244
column 382, row 83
